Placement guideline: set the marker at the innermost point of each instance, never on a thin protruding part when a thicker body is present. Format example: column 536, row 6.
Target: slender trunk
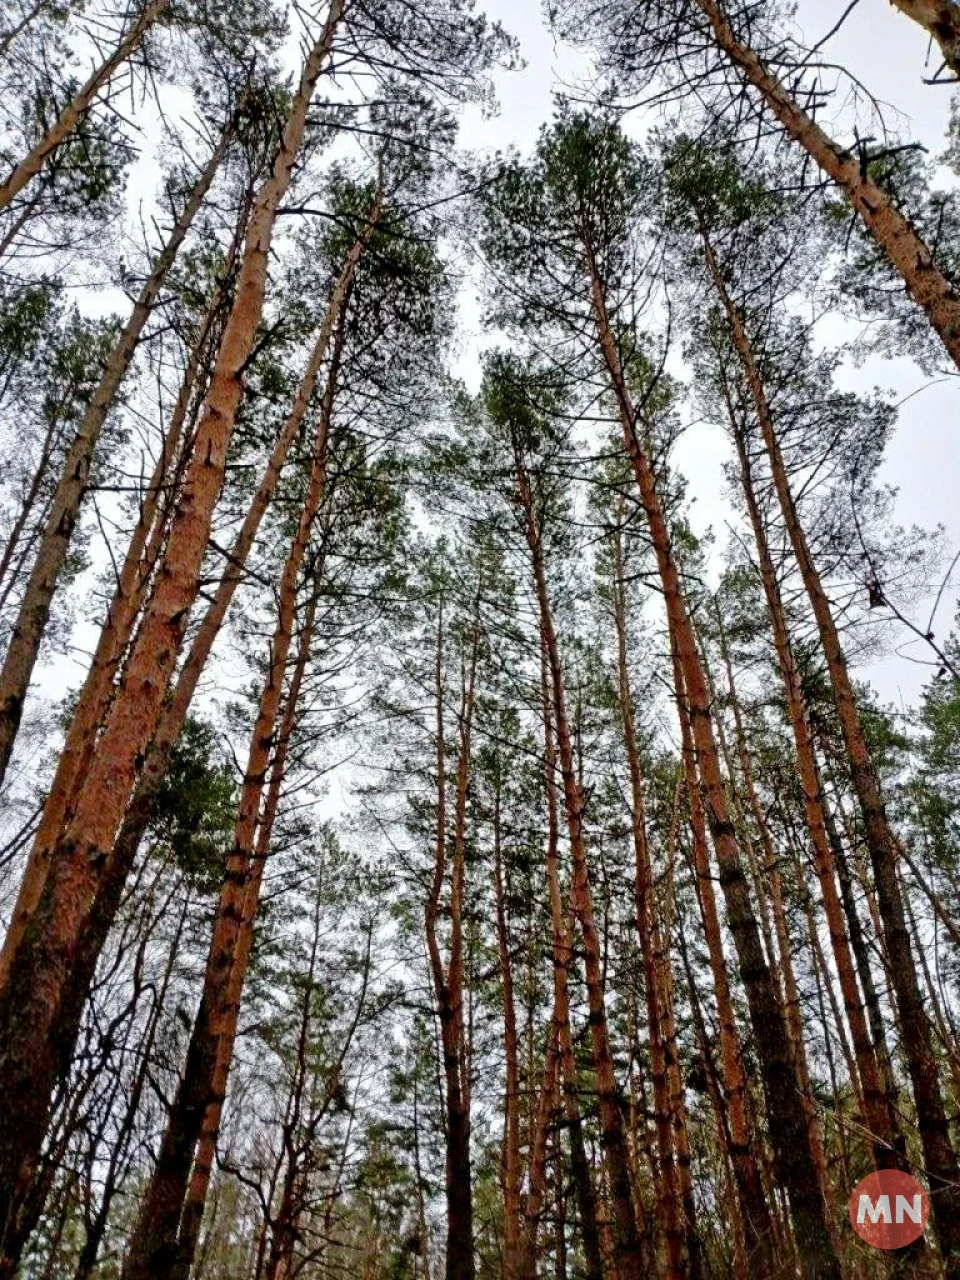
column 545, row 1113
column 8, row 569
column 778, row 1068
column 158, row 1248
column 678, row 1106
column 32, row 1055
column 861, row 951
column 87, row 1261
column 140, row 810
column 939, row 1156
column 195, row 1196
column 758, row 1225
column 31, row 621
column 878, row 1113
column 941, row 21
column 79, row 104
column 91, row 708
column 448, row 980
column 894, row 233
column 628, row 1252
column 511, row 1169
column 560, row 1051
column 770, row 884
column 141, row 557
column 676, row 1233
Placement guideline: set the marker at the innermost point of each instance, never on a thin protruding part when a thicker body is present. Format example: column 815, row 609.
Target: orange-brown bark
column 878, row 1113
column 34, row 612
column 79, row 104
column 560, row 1056
column 679, row 1236
column 156, row 1247
column 512, row 1172
column 628, row 1256
column 140, row 560
column 778, row 1067
column 939, row 1155
column 560, row 1063
column 893, row 232
column 32, row 1000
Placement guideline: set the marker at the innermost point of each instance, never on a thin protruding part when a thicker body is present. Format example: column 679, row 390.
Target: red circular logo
column 889, row 1209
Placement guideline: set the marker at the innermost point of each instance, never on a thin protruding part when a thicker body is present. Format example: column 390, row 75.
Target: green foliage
column 195, row 809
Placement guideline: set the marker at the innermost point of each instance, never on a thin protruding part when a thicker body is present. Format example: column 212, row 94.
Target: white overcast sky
column 888, row 54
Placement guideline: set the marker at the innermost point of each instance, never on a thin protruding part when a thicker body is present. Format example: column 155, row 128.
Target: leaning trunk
column 79, row 104
column 879, row 1116
column 32, row 1055
column 909, row 256
column 778, row 1067
column 939, row 1156
column 141, row 557
column 31, row 621
column 153, row 1250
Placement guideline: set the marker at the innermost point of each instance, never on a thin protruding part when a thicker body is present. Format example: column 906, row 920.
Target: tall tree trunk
column 195, row 1193
column 758, row 1224
column 33, row 615
column 675, row 1231
column 92, row 705
column 512, row 1172
column 908, row 254
column 141, row 557
column 939, row 1156
column 941, row 21
column 782, row 1088
column 32, row 1056
column 138, row 816
column 560, row 1051
column 628, row 1255
column 113, row 1180
column 79, row 104
column 157, row 1246
column 879, row 1115
column 448, row 980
